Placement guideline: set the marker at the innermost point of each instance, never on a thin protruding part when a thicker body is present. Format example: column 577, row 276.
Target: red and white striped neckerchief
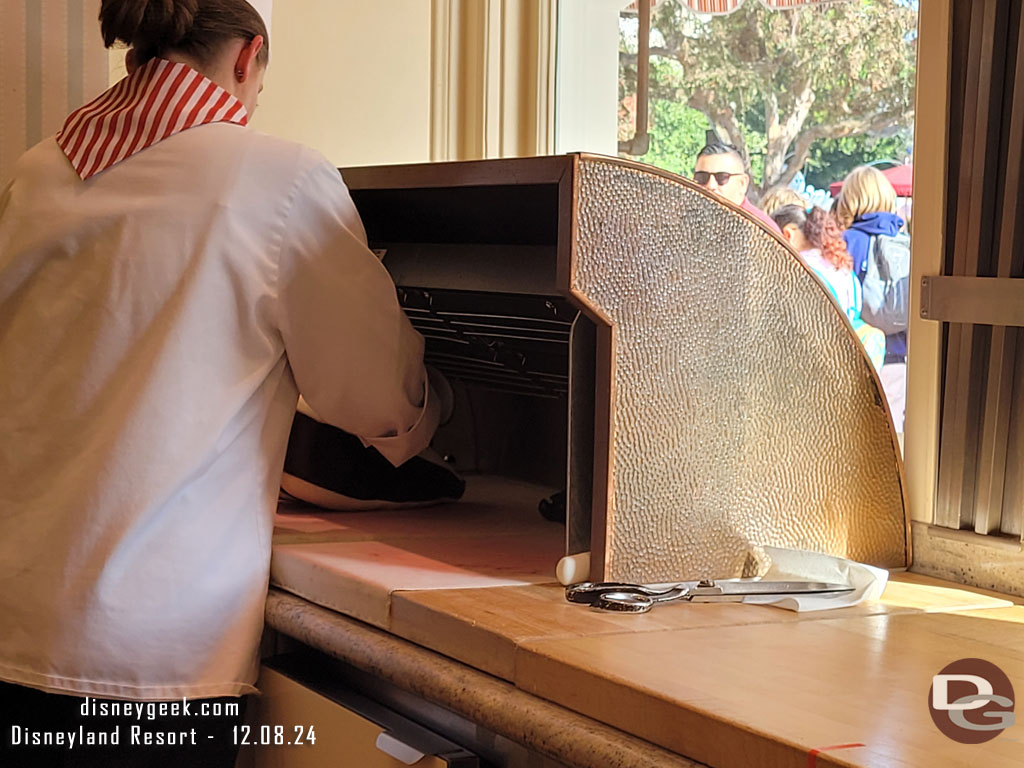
column 158, row 100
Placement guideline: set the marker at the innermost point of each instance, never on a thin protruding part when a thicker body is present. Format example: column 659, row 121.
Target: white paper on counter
column 867, row 581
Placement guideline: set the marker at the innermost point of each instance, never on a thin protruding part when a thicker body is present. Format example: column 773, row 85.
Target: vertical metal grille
column 982, row 434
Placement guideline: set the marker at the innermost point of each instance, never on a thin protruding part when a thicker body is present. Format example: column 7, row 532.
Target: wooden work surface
column 726, row 685
column 484, row 628
column 354, row 562
column 770, row 694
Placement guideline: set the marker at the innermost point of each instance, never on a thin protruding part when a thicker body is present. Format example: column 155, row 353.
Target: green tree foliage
column 808, row 86
column 831, row 159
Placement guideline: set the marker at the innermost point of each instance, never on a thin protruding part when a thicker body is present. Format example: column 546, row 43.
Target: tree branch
column 781, row 134
column 721, row 116
column 869, row 124
column 626, row 57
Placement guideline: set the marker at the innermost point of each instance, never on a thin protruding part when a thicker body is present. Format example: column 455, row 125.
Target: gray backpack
column 886, row 283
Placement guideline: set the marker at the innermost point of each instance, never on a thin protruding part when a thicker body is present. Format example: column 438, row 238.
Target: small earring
column 239, row 74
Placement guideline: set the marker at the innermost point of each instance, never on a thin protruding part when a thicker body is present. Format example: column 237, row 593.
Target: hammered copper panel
column 744, row 410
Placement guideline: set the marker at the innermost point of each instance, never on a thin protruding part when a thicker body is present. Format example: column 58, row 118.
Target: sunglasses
column 721, row 177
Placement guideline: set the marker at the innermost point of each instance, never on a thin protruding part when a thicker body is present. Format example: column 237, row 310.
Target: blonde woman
column 866, row 209
column 777, row 197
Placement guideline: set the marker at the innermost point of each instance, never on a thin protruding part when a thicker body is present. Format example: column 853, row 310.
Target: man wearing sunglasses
column 720, row 170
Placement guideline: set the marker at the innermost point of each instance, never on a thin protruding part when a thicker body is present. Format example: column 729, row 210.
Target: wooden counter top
column 725, row 685
column 354, row 563
column 768, row 694
column 569, row 739
column 484, row 628
column 739, row 685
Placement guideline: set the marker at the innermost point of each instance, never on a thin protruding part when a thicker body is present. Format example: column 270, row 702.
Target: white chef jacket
column 157, row 323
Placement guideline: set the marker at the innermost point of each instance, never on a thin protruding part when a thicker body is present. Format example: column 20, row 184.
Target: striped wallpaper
column 52, row 61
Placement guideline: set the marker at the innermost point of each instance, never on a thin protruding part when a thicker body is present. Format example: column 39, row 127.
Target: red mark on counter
column 812, row 756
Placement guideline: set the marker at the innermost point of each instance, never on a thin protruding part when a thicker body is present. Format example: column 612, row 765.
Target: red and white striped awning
column 721, row 7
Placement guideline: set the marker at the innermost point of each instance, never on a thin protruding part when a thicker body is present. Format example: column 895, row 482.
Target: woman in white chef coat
column 170, row 280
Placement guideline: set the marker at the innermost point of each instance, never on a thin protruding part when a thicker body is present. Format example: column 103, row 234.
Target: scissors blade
column 743, row 588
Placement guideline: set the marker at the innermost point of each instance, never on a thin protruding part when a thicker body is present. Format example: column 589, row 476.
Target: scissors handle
column 630, row 602
column 587, row 592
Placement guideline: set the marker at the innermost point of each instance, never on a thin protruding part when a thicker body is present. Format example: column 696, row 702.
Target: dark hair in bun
column 195, row 28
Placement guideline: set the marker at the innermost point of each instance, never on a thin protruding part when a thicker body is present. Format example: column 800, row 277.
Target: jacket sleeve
column 356, row 359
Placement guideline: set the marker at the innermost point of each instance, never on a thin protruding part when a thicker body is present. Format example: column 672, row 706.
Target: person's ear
column 745, row 182
column 247, row 58
column 131, row 61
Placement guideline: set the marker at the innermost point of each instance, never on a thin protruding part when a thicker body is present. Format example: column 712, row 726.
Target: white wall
column 586, row 115
column 350, row 78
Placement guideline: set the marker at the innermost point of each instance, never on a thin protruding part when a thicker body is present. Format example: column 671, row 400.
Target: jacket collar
column 158, row 100
column 880, row 223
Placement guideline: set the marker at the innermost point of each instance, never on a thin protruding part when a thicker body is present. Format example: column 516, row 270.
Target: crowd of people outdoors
column 859, row 251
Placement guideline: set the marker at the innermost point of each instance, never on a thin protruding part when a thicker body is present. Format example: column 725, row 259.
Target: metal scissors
column 639, row 598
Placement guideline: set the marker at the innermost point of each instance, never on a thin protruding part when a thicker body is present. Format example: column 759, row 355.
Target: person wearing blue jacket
column 866, row 209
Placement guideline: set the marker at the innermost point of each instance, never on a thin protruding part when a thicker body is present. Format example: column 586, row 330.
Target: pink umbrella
column 900, row 176
column 902, row 179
